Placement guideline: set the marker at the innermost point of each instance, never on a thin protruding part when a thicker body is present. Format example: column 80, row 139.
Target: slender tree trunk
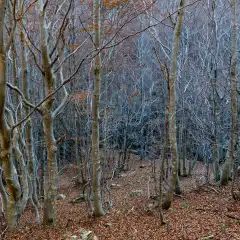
column 213, row 81
column 47, row 114
column 77, row 150
column 31, row 164
column 10, row 173
column 24, row 173
column 96, row 178
column 182, row 134
column 183, row 117
column 164, row 156
column 50, row 187
column 172, row 111
column 184, row 153
column 3, row 193
column 232, row 140
column 2, row 64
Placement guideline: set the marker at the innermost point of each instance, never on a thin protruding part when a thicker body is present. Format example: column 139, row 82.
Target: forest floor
column 199, row 213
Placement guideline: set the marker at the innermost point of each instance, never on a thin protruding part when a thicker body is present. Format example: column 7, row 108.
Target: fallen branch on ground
column 212, row 189
column 177, row 195
column 233, row 217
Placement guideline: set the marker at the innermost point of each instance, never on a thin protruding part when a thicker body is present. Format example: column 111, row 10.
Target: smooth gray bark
column 96, row 177
column 172, row 111
column 233, row 78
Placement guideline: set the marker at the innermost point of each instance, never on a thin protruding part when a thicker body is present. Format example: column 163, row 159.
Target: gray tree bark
column 96, row 177
column 172, row 111
column 213, row 80
column 3, row 193
column 233, row 78
column 31, row 163
column 47, row 114
column 12, row 183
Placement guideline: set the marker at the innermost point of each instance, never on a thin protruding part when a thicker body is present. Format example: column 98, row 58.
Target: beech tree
column 28, row 130
column 172, row 110
column 213, row 72
column 233, row 93
column 96, row 177
column 12, row 182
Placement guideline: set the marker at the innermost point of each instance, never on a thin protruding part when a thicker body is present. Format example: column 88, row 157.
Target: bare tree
column 212, row 72
column 12, row 183
column 96, row 177
column 233, row 80
column 172, row 110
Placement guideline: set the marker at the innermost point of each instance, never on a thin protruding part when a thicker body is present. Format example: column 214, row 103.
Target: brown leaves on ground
column 196, row 215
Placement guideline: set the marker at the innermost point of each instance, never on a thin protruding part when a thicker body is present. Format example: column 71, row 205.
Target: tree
column 31, row 160
column 165, row 72
column 12, row 183
column 96, row 177
column 212, row 72
column 48, row 114
column 172, row 110
column 233, row 93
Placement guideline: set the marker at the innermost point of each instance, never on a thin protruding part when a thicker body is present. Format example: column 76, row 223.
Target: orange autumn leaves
column 90, row 27
column 80, row 95
column 109, row 3
column 113, row 3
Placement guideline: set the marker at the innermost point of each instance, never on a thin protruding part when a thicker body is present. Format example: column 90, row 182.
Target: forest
column 119, row 119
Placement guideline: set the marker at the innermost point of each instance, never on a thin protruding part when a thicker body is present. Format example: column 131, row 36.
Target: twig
column 61, row 139
column 148, row 187
column 177, row 195
column 212, row 189
column 3, row 233
column 208, row 237
column 233, row 217
column 130, row 210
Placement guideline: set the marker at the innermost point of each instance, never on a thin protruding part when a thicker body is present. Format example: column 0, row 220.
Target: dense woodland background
column 99, row 86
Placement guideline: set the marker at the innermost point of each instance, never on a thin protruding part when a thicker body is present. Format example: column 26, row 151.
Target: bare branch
column 22, row 95
column 61, row 29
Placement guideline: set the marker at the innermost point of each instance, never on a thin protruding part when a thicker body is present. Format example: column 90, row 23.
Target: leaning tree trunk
column 232, row 141
column 172, row 111
column 96, row 178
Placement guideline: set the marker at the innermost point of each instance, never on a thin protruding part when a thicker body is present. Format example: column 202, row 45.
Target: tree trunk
column 213, row 80
column 50, row 187
column 32, row 168
column 164, row 156
column 232, row 141
column 47, row 114
column 3, row 193
column 77, row 158
column 24, row 173
column 172, row 111
column 96, row 178
column 10, row 173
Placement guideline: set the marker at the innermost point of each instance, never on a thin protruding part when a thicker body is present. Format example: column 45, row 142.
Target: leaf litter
column 195, row 215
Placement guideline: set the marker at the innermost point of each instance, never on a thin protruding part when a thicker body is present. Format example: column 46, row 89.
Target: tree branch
column 22, row 95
